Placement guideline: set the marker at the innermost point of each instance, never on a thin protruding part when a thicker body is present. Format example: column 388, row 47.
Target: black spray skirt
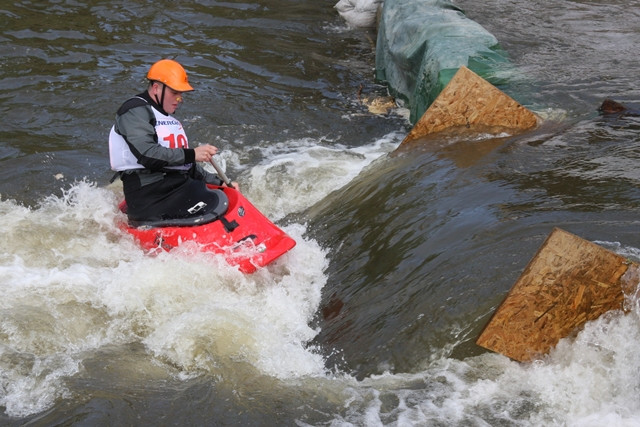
column 178, row 195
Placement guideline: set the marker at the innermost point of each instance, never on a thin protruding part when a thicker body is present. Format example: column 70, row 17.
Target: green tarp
column 422, row 43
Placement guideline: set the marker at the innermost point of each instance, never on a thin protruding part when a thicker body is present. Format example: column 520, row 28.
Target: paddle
column 221, row 173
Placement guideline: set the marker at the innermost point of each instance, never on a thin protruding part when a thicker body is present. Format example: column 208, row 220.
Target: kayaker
column 149, row 149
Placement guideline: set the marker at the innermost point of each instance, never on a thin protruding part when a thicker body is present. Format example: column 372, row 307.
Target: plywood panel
column 569, row 282
column 472, row 103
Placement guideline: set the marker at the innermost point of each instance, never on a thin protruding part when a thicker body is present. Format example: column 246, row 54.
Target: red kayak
column 238, row 230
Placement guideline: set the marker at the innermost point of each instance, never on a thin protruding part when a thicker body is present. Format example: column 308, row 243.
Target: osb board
column 470, row 101
column 568, row 282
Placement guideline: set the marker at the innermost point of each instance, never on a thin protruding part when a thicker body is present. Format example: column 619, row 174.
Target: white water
column 73, row 285
column 591, row 380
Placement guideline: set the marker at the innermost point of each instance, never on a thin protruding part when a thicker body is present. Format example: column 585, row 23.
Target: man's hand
column 205, row 152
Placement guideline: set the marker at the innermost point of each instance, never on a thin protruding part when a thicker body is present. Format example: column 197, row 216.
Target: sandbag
column 359, row 13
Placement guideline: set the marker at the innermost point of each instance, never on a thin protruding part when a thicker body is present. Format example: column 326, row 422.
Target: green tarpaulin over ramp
column 422, row 43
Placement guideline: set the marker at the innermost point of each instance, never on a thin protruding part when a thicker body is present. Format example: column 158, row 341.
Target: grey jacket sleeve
column 136, row 126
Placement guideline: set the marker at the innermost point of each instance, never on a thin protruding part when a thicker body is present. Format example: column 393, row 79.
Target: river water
column 402, row 255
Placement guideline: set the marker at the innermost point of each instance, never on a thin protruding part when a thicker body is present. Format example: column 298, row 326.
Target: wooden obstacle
column 569, row 282
column 469, row 101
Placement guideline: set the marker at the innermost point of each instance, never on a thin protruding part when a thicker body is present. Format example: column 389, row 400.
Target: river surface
column 402, row 255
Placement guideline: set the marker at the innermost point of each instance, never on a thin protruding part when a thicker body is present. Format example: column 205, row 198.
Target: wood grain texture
column 568, row 282
column 471, row 102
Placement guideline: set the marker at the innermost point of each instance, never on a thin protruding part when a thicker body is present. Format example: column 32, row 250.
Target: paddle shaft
column 221, row 173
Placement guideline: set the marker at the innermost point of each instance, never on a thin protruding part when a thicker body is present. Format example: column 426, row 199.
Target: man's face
column 172, row 98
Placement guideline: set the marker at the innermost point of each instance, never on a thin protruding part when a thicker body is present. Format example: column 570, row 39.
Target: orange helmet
column 170, row 73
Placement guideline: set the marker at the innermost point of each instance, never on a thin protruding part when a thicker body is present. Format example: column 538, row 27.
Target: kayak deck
column 245, row 237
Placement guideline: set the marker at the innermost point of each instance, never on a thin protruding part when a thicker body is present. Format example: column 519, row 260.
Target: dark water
column 402, row 255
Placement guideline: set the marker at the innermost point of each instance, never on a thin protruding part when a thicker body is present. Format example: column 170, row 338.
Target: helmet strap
column 164, row 88
column 160, row 102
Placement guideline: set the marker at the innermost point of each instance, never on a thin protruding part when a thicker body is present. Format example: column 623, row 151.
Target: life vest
column 170, row 134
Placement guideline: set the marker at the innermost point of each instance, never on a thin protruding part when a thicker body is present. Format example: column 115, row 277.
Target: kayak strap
column 115, row 176
column 229, row 226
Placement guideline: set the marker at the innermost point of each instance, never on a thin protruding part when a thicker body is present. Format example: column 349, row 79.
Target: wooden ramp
column 569, row 282
column 471, row 102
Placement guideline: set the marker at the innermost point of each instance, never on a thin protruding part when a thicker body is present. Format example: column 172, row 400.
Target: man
column 150, row 151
